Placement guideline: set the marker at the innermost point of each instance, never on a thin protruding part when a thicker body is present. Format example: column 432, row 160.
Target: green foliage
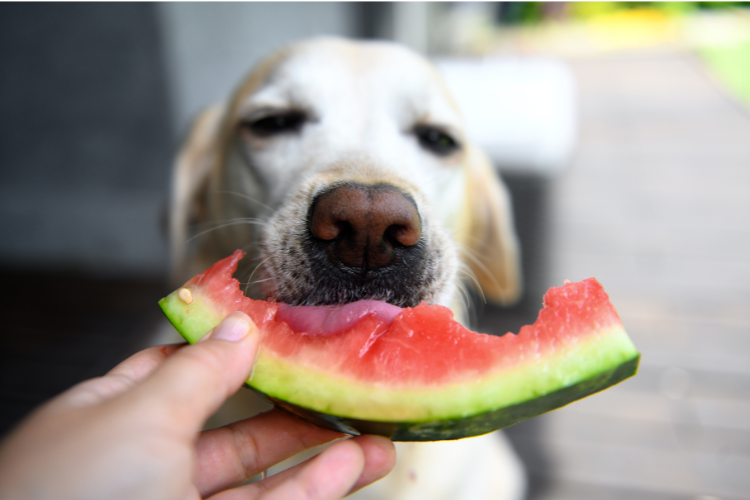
column 514, row 13
column 586, row 10
column 528, row 13
column 731, row 65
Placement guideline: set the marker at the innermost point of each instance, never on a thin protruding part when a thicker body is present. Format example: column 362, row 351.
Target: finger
column 380, row 457
column 230, row 455
column 194, row 381
column 142, row 364
column 328, row 476
column 119, row 380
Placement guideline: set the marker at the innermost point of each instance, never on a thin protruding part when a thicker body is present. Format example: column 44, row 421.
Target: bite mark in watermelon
column 416, row 375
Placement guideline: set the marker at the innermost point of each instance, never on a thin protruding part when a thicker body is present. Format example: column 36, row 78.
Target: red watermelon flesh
column 415, row 373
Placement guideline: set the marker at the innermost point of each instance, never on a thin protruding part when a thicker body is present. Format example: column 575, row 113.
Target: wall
column 93, row 98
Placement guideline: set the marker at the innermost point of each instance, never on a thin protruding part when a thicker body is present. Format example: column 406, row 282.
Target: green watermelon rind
column 424, row 413
column 193, row 320
column 475, row 425
column 345, row 397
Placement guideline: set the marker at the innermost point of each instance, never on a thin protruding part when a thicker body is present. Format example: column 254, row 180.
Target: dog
column 343, row 169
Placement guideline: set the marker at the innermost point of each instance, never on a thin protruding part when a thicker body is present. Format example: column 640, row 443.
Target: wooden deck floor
column 656, row 205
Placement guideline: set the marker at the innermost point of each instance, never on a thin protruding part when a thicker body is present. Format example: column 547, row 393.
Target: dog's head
column 343, row 168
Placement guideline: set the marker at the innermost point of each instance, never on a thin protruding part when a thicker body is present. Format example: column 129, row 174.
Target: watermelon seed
column 185, row 296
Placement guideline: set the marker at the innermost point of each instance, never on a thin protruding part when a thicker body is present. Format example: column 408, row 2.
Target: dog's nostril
column 406, row 235
column 364, row 225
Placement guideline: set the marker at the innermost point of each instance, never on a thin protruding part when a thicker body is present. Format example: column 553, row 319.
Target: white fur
column 363, row 100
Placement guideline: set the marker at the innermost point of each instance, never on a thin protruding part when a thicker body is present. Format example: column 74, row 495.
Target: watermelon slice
column 415, row 374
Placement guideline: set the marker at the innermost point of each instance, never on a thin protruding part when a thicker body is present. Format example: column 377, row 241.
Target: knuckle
column 247, row 450
column 207, row 358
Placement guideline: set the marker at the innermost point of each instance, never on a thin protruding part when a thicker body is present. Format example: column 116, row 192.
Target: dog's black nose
column 365, row 227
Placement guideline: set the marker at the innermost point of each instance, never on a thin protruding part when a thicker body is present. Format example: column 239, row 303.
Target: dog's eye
column 436, row 140
column 276, row 124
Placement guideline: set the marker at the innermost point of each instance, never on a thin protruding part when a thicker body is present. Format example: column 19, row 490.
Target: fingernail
column 234, row 327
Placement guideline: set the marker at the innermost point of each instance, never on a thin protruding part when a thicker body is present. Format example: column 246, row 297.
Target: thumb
column 192, row 383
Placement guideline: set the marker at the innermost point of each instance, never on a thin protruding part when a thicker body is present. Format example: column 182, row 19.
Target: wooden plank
column 652, row 406
column 663, row 471
column 569, row 490
column 656, row 206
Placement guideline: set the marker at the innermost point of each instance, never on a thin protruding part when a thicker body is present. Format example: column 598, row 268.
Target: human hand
column 135, row 434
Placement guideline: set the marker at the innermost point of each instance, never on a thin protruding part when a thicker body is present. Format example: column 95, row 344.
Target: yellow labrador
column 342, row 168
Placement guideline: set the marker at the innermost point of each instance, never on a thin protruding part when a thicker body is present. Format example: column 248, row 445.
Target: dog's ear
column 190, row 179
column 491, row 245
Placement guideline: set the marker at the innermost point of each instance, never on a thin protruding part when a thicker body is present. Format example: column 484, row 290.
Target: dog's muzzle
column 365, row 228
column 364, row 242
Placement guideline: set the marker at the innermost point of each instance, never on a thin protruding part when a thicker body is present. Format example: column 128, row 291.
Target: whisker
column 250, row 278
column 248, row 198
column 464, row 294
column 259, row 281
column 464, row 269
column 469, row 254
column 231, row 222
column 469, row 312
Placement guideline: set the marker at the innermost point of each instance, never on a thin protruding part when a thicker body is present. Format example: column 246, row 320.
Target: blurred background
column 622, row 129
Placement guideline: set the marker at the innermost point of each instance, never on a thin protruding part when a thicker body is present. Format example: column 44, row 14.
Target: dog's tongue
column 328, row 320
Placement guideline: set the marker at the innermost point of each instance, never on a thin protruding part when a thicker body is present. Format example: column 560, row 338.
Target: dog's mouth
column 352, row 243
column 352, row 251
column 332, row 319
